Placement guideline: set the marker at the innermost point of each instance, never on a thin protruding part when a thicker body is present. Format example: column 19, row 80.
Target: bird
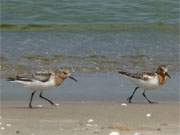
column 41, row 81
column 147, row 80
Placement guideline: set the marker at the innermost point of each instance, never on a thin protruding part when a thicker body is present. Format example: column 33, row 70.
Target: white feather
column 37, row 84
column 151, row 83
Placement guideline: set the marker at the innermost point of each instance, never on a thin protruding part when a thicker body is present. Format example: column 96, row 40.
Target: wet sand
column 90, row 118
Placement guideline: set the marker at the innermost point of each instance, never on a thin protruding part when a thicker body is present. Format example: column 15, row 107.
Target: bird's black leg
column 40, row 95
column 30, row 106
column 130, row 98
column 147, row 98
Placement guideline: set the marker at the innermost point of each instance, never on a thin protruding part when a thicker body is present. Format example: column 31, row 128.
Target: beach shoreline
column 88, row 118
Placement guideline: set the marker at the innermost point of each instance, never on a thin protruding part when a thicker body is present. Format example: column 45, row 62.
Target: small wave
column 89, row 27
column 85, row 64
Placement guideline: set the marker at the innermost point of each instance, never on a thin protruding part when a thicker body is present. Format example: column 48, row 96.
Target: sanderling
column 147, row 80
column 41, row 81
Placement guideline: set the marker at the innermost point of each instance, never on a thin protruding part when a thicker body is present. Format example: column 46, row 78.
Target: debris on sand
column 123, row 104
column 137, row 133
column 149, row 129
column 90, row 120
column 8, row 125
column 120, row 127
column 148, row 115
column 39, row 106
column 2, row 128
column 57, row 104
column 114, row 133
column 91, row 125
column 17, row 131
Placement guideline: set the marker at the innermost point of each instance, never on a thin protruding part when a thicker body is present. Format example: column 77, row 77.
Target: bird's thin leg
column 32, row 95
column 151, row 102
column 130, row 98
column 40, row 95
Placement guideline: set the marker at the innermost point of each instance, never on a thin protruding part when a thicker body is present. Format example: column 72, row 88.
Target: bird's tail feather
column 11, row 79
column 18, row 78
column 124, row 73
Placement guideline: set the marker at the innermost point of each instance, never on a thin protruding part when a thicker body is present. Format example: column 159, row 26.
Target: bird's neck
column 162, row 78
column 58, row 80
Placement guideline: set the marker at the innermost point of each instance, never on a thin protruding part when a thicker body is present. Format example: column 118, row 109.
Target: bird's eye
column 65, row 73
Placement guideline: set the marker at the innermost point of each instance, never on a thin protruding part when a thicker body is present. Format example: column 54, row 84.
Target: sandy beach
column 90, row 118
column 96, row 40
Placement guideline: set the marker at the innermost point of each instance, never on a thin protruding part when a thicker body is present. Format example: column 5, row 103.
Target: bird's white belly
column 38, row 85
column 148, row 84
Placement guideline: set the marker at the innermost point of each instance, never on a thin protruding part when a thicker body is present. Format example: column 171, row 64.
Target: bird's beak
column 73, row 78
column 168, row 75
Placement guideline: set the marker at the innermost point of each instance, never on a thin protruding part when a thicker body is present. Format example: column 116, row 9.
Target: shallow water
column 97, row 37
column 94, row 11
column 96, row 87
column 93, row 36
column 91, row 50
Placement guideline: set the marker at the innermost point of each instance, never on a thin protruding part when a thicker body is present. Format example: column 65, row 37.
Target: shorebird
column 41, row 81
column 147, row 80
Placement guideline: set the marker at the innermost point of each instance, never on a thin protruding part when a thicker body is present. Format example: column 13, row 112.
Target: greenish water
column 89, row 27
column 94, row 11
column 90, row 51
column 97, row 37
column 75, row 15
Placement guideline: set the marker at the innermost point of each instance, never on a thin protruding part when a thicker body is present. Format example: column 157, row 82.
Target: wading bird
column 41, row 81
column 147, row 80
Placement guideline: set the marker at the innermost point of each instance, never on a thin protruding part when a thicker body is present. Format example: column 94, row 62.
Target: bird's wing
column 142, row 76
column 147, row 75
column 125, row 73
column 138, row 76
column 37, row 76
column 19, row 78
column 132, row 75
column 42, row 76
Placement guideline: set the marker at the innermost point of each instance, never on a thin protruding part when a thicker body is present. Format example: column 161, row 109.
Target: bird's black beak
column 74, row 79
column 168, row 75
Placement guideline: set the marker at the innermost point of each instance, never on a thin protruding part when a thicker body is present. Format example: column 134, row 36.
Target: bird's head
column 163, row 70
column 64, row 73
